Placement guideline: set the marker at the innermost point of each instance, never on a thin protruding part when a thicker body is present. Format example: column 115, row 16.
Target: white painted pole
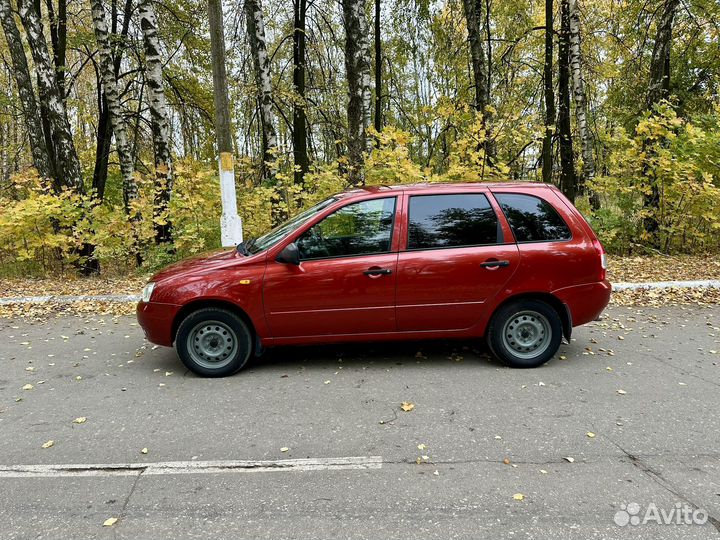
column 230, row 223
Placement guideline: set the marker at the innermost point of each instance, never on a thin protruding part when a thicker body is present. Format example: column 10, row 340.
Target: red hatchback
column 516, row 263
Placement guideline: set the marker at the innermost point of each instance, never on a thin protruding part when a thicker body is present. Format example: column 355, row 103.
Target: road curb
column 129, row 298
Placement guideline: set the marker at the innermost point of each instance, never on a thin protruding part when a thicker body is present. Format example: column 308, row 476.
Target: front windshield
column 281, row 231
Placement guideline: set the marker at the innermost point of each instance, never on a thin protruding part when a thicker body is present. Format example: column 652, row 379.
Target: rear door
column 457, row 256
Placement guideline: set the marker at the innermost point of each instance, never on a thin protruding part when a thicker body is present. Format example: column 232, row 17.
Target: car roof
column 427, row 186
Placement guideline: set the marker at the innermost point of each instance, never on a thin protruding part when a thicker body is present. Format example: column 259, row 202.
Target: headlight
column 147, row 291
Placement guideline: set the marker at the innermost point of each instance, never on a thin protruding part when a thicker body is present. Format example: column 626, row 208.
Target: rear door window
column 532, row 219
column 457, row 220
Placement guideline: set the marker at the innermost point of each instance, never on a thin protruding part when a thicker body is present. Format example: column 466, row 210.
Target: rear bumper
column 585, row 302
column 156, row 321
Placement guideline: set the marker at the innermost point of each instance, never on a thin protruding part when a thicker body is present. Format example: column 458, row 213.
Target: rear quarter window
column 532, row 219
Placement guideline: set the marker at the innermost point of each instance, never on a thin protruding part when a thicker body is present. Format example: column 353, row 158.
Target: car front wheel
column 525, row 333
column 213, row 342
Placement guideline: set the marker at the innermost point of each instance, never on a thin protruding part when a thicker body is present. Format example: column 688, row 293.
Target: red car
column 516, row 263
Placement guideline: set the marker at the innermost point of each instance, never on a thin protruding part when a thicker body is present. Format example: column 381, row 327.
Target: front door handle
column 377, row 271
column 495, row 264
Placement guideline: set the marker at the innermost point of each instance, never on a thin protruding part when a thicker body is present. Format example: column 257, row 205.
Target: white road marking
column 190, row 467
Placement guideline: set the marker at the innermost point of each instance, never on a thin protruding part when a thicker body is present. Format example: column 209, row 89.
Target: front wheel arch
column 195, row 305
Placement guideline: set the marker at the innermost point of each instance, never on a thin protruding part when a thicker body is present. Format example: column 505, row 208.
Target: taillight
column 603, row 258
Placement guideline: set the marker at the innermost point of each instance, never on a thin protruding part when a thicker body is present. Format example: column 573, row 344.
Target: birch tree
column 160, row 122
column 357, row 66
column 117, row 121
column 261, row 65
column 28, row 102
column 578, row 84
column 67, row 164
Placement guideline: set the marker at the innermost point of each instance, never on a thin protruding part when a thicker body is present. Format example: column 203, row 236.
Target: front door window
column 363, row 228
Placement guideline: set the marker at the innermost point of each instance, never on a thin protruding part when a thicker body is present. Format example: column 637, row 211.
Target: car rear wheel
column 213, row 342
column 525, row 333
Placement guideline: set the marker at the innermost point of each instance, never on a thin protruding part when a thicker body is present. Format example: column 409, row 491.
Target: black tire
column 222, row 342
column 508, row 326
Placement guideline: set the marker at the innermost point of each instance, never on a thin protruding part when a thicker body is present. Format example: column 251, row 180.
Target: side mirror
column 289, row 255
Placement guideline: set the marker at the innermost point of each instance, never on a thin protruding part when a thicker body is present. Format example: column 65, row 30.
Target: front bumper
column 156, row 320
column 586, row 302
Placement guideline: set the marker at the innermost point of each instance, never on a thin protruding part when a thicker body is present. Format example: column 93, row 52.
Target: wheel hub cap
column 527, row 334
column 212, row 344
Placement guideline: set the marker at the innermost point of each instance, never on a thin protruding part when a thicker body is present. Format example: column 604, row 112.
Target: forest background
column 108, row 119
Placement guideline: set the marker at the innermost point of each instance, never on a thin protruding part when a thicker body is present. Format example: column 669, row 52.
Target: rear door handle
column 495, row 264
column 377, row 272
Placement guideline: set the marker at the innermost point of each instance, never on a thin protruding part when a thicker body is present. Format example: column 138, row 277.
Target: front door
column 345, row 283
column 456, row 260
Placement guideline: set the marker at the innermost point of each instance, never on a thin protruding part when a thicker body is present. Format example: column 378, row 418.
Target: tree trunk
column 300, row 145
column 31, row 113
column 588, row 155
column 263, row 80
column 550, row 114
column 357, row 66
column 102, row 146
column 58, row 39
column 230, row 224
column 160, row 123
column 117, row 121
column 659, row 86
column 658, row 89
column 473, row 10
column 104, row 129
column 568, row 178
column 378, row 70
column 68, row 171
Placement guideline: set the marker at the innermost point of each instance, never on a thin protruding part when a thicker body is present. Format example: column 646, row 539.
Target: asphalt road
column 645, row 382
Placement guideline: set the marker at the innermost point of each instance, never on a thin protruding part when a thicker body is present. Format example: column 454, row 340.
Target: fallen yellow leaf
column 284, row 449
column 28, row 387
column 144, row 451
column 590, row 434
column 407, row 406
column 48, row 444
column 80, row 420
column 518, row 496
column 109, row 522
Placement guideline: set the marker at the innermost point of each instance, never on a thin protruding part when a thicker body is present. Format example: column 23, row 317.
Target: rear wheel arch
column 553, row 301
column 204, row 303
